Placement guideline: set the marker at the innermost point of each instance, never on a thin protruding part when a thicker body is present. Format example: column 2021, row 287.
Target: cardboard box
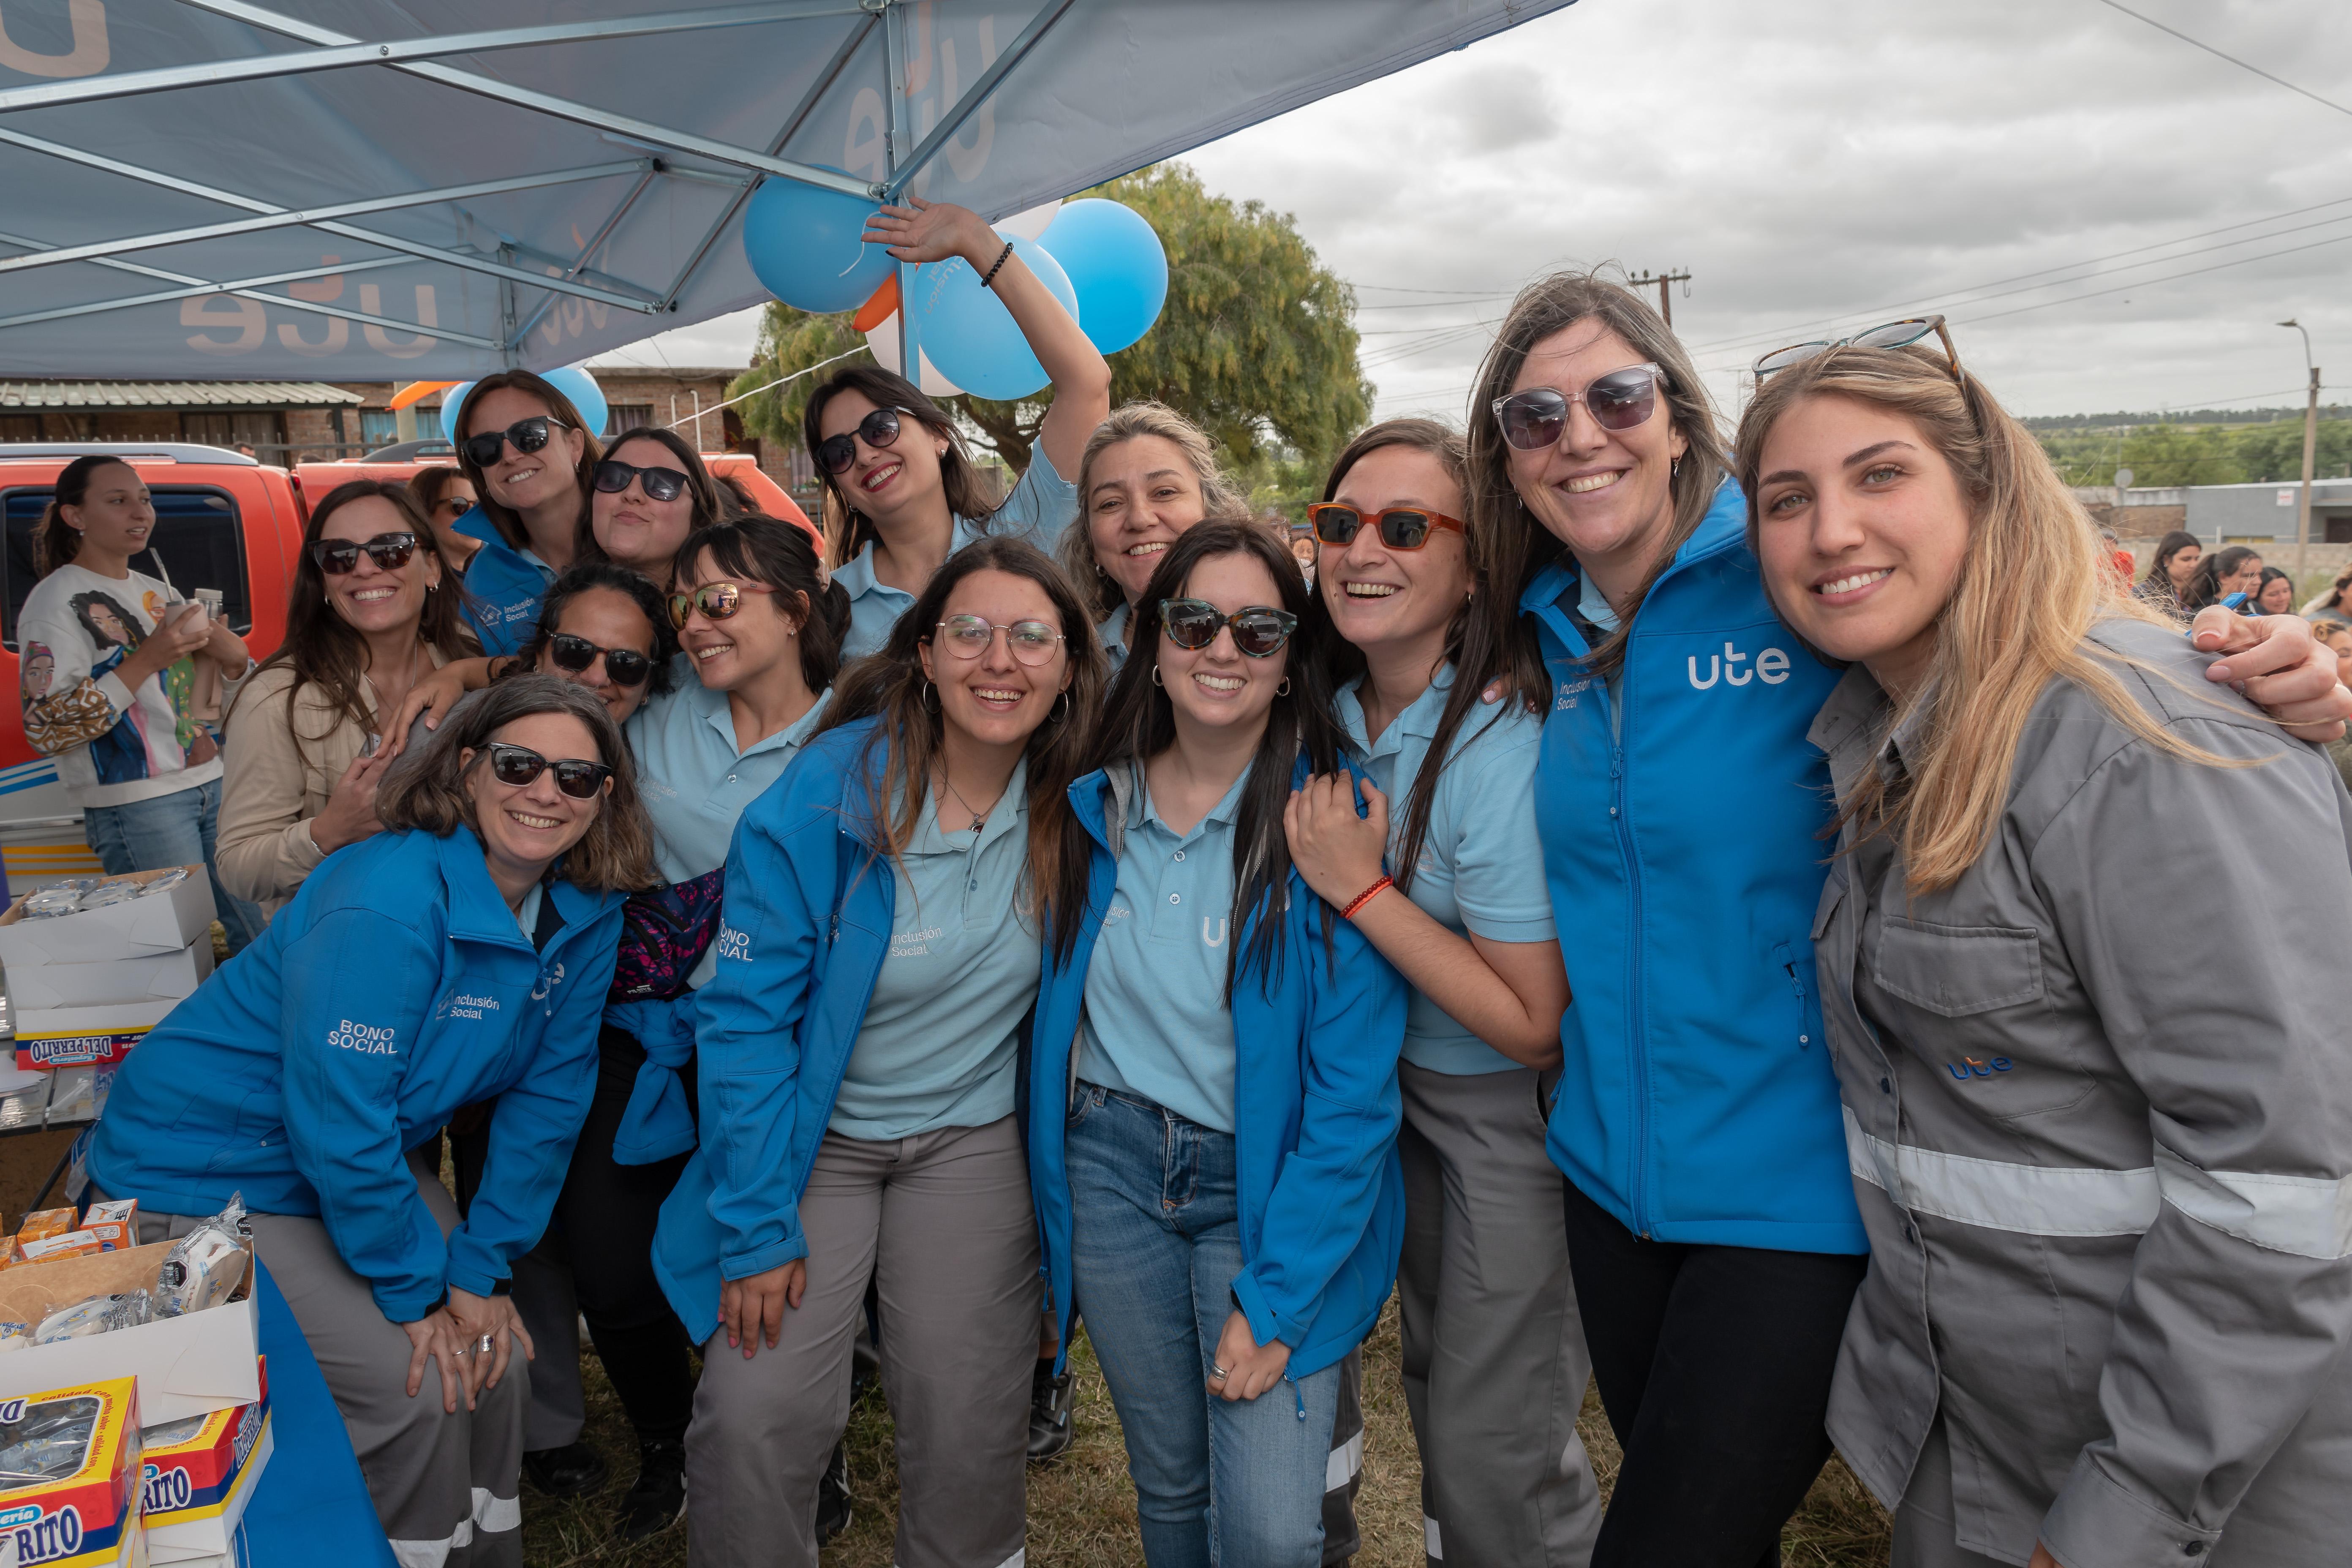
column 72, row 1244
column 42, row 1224
column 142, row 928
column 197, row 1482
column 90, row 1518
column 186, row 1366
column 115, row 1224
column 85, row 1037
column 164, row 977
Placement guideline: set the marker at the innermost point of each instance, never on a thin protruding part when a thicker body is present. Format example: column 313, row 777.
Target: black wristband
column 502, row 1286
column 990, row 277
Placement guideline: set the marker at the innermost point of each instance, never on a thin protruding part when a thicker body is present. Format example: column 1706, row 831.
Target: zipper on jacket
column 1635, row 1010
column 1796, row 983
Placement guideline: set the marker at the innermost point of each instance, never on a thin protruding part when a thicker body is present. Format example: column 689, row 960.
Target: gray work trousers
column 1495, row 1363
column 445, row 1487
column 942, row 1224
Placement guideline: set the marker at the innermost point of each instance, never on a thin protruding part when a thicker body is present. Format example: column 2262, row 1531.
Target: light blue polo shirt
column 695, row 783
column 1113, row 633
column 1155, row 1022
column 943, row 1027
column 1039, row 508
column 1481, row 868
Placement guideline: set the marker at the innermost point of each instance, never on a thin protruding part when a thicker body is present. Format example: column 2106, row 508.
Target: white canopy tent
column 368, row 190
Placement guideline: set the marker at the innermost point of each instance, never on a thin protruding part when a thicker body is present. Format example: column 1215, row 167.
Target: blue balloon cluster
column 1099, row 259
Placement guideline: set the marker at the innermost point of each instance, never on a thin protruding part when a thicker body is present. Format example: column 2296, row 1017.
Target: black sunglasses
column 880, row 429
column 1534, row 420
column 524, row 435
column 661, row 484
column 519, row 765
column 341, row 557
column 1259, row 630
column 623, row 666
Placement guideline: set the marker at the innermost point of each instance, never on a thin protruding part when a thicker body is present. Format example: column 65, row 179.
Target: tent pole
column 580, row 263
column 969, row 104
column 896, row 144
column 243, row 288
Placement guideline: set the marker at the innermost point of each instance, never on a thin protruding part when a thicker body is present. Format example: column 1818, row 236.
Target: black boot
column 657, row 1499
column 1051, row 1399
column 833, row 1496
column 574, row 1470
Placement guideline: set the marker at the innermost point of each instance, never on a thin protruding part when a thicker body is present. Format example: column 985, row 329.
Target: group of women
column 1144, row 938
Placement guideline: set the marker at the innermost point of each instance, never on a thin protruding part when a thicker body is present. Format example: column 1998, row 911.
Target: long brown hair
column 2030, row 543
column 1345, row 663
column 969, row 495
column 701, row 489
column 1219, row 498
column 1513, row 545
column 890, row 686
column 323, row 650
column 429, row 796
column 1142, row 723
column 760, row 549
column 56, row 541
column 559, row 407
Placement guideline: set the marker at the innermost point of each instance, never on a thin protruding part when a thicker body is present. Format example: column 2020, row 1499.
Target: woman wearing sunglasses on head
column 372, row 611
column 1221, row 1201
column 460, row 955
column 858, row 1051
column 2110, row 1286
column 529, row 456
column 901, row 492
column 1678, row 807
column 1494, row 1364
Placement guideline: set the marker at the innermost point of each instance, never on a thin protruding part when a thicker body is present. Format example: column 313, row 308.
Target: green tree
column 1257, row 344
column 2272, row 453
column 2180, row 455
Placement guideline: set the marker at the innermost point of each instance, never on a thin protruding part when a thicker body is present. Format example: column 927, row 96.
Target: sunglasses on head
column 1259, row 630
column 968, row 636
column 341, row 557
column 880, row 428
column 524, row 436
column 1891, row 335
column 623, row 666
column 1398, row 527
column 716, row 601
column 661, row 484
column 519, row 765
column 1534, row 420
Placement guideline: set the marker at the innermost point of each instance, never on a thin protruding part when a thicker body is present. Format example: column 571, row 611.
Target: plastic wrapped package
column 58, row 899
column 25, row 1106
column 204, row 1267
column 97, row 1315
column 69, row 1477
column 14, row 1336
column 48, row 1443
column 73, row 1096
column 42, row 1224
column 110, row 893
column 164, row 883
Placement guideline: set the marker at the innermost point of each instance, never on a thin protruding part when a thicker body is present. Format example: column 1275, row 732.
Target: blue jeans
column 1155, row 1246
column 166, row 830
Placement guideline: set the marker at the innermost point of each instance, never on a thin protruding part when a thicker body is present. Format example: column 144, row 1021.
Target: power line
column 2241, row 65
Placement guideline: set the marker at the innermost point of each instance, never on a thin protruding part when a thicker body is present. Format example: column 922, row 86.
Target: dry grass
column 1082, row 1508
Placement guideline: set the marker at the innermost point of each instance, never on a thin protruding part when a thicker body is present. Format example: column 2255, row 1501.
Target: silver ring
column 485, row 1346
column 1217, row 1372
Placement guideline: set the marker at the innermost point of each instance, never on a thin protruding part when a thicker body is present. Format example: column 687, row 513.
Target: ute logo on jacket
column 1771, row 667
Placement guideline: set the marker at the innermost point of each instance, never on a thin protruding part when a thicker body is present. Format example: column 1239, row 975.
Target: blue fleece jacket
column 395, row 989
column 1316, row 1109
column 1682, row 839
column 503, row 587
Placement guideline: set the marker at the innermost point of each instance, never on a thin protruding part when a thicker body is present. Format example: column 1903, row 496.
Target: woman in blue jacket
column 459, row 956
column 1222, row 1202
column 859, row 1051
column 1712, row 1227
column 532, row 461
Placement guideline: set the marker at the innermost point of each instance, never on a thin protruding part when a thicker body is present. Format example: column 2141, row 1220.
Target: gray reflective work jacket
column 2098, row 1107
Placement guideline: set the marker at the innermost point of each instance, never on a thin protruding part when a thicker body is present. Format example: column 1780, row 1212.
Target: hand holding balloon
column 933, row 231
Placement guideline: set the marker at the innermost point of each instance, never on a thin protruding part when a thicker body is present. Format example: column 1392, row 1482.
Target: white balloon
column 884, row 342
column 1028, row 225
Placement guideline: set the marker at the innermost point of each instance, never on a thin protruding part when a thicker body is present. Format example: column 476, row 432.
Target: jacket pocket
column 1954, row 972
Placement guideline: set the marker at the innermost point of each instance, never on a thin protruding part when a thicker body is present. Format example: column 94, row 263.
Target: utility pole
column 2310, row 455
column 1665, row 295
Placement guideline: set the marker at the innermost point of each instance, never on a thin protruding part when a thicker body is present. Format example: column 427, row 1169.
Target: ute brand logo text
column 1771, row 667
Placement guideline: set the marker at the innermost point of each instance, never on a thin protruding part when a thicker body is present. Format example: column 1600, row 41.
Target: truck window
column 198, row 543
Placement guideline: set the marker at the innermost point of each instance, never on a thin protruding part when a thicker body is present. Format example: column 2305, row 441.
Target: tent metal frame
column 330, row 50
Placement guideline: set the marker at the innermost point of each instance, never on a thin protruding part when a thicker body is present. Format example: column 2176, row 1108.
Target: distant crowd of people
column 1675, row 907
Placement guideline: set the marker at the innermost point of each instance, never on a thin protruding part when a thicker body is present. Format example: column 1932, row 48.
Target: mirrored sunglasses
column 1534, row 420
column 341, row 557
column 1259, row 630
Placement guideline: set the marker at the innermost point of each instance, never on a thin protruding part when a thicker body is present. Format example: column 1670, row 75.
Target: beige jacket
column 272, row 790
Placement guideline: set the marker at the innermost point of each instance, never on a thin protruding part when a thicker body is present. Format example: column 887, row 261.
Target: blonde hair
column 1219, row 499
column 2031, row 586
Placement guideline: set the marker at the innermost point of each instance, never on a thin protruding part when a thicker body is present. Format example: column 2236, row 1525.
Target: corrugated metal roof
column 63, row 394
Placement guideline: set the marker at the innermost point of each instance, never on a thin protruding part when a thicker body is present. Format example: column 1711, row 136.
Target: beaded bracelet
column 1366, row 897
column 993, row 271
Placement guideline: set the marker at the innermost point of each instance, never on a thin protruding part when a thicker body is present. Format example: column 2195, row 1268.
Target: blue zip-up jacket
column 503, row 587
column 396, row 988
column 1317, row 1108
column 803, row 931
column 1682, row 839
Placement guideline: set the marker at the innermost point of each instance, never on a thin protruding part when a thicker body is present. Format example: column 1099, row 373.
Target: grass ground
column 1082, row 1508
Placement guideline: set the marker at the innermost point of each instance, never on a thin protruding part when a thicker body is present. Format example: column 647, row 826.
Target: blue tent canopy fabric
column 368, row 190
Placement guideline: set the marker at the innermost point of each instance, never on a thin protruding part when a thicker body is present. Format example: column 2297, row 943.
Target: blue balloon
column 970, row 337
column 802, row 242
column 575, row 383
column 453, row 403
column 1116, row 263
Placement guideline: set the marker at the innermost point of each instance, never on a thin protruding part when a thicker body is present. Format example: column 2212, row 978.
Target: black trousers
column 602, row 1236
column 1714, row 1364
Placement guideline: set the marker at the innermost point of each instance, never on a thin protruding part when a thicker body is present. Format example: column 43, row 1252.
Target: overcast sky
column 2043, row 172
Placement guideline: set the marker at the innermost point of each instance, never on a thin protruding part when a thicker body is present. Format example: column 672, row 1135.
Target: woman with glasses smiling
column 533, row 461
column 859, row 1042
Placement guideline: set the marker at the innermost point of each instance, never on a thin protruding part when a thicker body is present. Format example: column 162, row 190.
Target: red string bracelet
column 1366, row 897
